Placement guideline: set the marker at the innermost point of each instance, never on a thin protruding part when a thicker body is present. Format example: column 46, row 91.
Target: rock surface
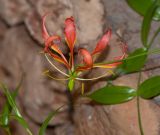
column 13, row 12
column 20, row 37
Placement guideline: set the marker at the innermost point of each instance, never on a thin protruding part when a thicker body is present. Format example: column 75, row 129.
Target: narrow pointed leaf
column 7, row 108
column 46, row 122
column 150, row 88
column 133, row 64
column 147, row 23
column 22, row 122
column 10, row 99
column 5, row 115
column 113, row 94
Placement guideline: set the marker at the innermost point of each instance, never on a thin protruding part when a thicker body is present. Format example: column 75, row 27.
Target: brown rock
column 39, row 95
column 33, row 23
column 65, row 129
column 13, row 12
column 105, row 120
column 88, row 31
column 149, row 110
column 90, row 20
column 2, row 30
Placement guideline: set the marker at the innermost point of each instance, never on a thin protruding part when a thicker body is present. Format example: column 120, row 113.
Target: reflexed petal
column 70, row 32
column 111, row 65
column 59, row 59
column 101, row 45
column 51, row 41
column 124, row 51
column 86, row 58
column 45, row 34
column 82, row 68
column 56, row 49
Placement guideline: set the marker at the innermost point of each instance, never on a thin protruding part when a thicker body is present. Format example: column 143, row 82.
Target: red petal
column 45, row 34
column 56, row 49
column 101, row 45
column 50, row 41
column 59, row 59
column 70, row 32
column 87, row 59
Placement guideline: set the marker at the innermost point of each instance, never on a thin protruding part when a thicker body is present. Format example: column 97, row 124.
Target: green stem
column 138, row 107
column 29, row 132
column 139, row 117
column 8, row 131
column 153, row 38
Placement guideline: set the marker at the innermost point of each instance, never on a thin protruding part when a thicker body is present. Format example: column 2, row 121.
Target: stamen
column 110, row 71
column 82, row 92
column 91, row 79
column 55, row 66
column 52, row 77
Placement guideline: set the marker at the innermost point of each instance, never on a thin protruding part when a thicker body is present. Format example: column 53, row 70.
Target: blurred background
column 20, row 46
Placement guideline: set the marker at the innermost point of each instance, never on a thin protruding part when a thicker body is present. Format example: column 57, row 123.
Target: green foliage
column 10, row 100
column 133, row 63
column 7, row 109
column 150, row 10
column 46, row 122
column 142, row 6
column 10, row 105
column 113, row 94
column 146, row 24
column 150, row 88
column 22, row 122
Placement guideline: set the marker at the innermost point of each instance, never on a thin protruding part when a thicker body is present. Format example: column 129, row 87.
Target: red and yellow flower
column 52, row 48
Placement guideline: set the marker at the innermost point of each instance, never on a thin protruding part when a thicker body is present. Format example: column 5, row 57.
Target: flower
column 52, row 48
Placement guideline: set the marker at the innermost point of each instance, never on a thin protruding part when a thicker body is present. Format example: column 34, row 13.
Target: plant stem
column 138, row 107
column 153, row 38
column 139, row 117
column 8, row 131
column 70, row 104
column 29, row 132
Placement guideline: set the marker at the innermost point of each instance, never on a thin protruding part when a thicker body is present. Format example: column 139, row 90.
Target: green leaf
column 150, row 88
column 10, row 99
column 71, row 84
column 46, row 122
column 142, row 10
column 22, row 122
column 146, row 24
column 113, row 94
column 156, row 16
column 5, row 115
column 7, row 109
column 137, row 5
column 132, row 63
